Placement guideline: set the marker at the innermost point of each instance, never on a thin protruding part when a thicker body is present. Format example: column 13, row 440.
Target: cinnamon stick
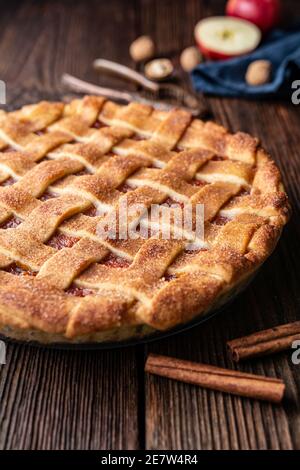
column 216, row 378
column 264, row 342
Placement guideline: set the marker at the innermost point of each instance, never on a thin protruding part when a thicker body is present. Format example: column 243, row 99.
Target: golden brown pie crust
column 60, row 281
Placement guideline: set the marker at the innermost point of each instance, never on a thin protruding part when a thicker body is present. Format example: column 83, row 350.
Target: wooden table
column 101, row 399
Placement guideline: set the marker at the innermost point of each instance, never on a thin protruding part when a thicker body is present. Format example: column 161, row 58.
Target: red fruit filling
column 59, row 241
column 125, row 188
column 114, row 261
column 220, row 220
column 79, row 291
column 217, row 158
column 169, row 202
column 83, row 172
column 12, row 222
column 18, row 271
column 198, row 183
column 169, row 277
column 138, row 137
column 98, row 125
column 46, row 195
column 8, row 149
column 91, row 211
column 8, row 182
column 244, row 192
column 194, row 252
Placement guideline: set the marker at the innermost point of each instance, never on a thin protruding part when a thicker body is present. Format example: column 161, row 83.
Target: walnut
column 159, row 69
column 142, row 49
column 189, row 58
column 259, row 72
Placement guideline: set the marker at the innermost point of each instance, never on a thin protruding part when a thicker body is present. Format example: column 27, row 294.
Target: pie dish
column 64, row 167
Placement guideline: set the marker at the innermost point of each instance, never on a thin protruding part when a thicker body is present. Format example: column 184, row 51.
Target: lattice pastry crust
column 61, row 281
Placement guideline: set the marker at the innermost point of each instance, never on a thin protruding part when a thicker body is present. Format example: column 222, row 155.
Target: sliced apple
column 221, row 37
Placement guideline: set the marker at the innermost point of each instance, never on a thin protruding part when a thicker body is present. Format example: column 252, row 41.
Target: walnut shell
column 142, row 49
column 189, row 58
column 259, row 72
column 159, row 69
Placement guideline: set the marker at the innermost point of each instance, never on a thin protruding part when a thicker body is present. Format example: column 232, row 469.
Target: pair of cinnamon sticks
column 264, row 342
column 231, row 381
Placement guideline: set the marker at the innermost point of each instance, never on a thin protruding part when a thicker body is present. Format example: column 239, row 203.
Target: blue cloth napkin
column 227, row 78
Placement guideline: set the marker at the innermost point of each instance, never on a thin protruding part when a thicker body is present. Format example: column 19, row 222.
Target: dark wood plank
column 61, row 37
column 68, row 400
column 58, row 399
column 185, row 417
column 96, row 400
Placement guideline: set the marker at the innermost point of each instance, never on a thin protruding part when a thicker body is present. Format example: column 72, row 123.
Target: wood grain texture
column 181, row 417
column 51, row 399
column 102, row 400
column 68, row 400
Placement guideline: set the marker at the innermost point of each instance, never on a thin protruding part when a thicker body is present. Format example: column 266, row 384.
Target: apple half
column 221, row 37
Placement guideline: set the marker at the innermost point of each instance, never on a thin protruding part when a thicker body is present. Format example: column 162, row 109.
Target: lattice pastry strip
column 207, row 135
column 135, row 116
column 18, row 129
column 20, row 198
column 79, row 118
column 92, row 154
column 213, row 197
column 229, row 171
column 158, row 155
column 62, row 268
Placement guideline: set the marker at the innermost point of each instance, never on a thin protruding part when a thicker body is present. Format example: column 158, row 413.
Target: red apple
column 221, row 37
column 264, row 13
